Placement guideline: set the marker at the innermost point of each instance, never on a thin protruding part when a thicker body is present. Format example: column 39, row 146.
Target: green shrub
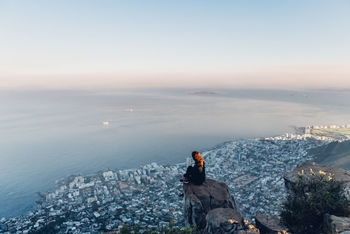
column 311, row 198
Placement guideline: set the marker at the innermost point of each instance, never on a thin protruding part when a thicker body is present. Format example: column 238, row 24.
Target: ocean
column 47, row 135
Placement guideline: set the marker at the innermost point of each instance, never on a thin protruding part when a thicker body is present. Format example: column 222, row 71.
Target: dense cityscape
column 149, row 196
column 174, row 117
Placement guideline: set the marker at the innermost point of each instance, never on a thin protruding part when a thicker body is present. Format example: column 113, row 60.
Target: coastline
column 246, row 170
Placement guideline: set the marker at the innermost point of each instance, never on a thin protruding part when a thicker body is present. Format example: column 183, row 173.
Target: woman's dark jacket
column 196, row 174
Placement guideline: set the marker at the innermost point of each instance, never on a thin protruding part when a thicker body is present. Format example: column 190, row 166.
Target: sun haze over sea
column 104, row 44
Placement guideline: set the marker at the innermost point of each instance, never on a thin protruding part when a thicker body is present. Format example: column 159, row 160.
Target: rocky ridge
column 211, row 208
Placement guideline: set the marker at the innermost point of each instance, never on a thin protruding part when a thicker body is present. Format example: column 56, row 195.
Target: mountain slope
column 335, row 154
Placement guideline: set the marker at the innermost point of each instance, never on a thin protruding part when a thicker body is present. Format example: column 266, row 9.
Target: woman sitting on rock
column 195, row 174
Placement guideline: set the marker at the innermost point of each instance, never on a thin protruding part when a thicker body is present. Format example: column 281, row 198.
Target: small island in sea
column 203, row 93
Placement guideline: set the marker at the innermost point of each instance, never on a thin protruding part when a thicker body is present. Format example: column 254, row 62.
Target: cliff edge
column 338, row 174
column 210, row 207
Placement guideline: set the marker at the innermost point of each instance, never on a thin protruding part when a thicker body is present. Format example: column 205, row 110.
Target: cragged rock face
column 269, row 224
column 309, row 170
column 224, row 220
column 200, row 199
column 210, row 208
column 336, row 224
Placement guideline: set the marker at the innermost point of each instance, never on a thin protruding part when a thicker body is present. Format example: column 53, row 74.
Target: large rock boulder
column 269, row 224
column 339, row 175
column 224, row 220
column 227, row 221
column 336, row 224
column 200, row 199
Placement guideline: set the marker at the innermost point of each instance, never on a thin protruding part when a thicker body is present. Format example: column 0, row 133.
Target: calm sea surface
column 48, row 135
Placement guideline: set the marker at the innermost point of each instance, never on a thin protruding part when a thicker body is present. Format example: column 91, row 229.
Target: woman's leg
column 188, row 175
column 188, row 171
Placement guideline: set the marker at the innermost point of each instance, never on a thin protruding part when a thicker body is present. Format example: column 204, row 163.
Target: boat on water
column 129, row 110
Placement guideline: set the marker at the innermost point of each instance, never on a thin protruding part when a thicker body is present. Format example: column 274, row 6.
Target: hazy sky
column 87, row 44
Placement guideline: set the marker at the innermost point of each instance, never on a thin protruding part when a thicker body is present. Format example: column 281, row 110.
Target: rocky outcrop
column 306, row 170
column 224, row 220
column 335, row 225
column 312, row 172
column 227, row 221
column 210, row 206
column 268, row 224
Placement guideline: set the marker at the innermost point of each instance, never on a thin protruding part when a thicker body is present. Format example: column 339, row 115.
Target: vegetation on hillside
column 312, row 197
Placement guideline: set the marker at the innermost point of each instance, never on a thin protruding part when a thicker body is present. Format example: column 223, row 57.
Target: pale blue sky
column 68, row 44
